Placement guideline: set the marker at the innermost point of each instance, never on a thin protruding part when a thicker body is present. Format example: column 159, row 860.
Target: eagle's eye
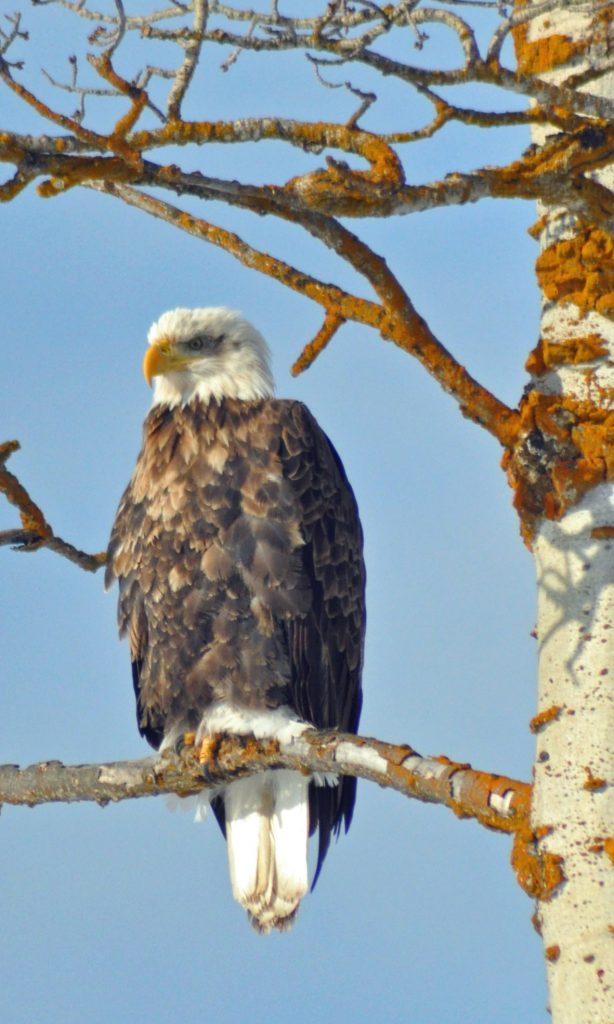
column 203, row 343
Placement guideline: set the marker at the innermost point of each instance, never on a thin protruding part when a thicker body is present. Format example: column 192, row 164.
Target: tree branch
column 332, row 322
column 494, row 801
column 396, row 319
column 36, row 532
column 185, row 72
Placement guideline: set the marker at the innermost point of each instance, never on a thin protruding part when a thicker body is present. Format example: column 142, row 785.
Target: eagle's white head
column 206, row 353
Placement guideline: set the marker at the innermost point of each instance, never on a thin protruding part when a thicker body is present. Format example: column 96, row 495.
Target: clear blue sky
column 125, row 914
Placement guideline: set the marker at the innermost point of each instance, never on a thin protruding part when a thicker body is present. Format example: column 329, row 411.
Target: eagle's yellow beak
column 160, row 358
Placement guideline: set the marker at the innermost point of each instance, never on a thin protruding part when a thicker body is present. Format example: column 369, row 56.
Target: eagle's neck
column 248, row 380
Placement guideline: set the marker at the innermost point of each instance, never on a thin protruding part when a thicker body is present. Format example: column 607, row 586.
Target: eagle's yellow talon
column 189, row 739
column 207, row 750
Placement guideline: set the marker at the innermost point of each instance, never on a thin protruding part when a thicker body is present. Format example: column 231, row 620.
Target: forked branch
column 394, row 316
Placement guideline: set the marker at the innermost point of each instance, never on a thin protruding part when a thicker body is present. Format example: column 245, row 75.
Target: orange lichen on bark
column 547, row 52
column 566, row 447
column 593, row 782
column 608, row 846
column 30, row 514
column 12, row 153
column 594, row 438
column 348, row 187
column 75, row 171
column 539, row 874
column 580, row 270
column 549, row 715
column 116, row 141
column 553, row 953
column 549, row 354
column 602, row 532
column 386, row 167
column 331, row 325
column 10, row 189
column 481, row 791
column 68, row 123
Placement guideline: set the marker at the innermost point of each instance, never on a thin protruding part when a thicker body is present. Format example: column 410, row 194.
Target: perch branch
column 494, row 801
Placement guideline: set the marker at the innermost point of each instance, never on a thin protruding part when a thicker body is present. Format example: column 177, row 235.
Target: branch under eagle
column 495, row 801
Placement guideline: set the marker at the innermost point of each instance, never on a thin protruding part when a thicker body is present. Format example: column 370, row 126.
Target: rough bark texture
column 562, row 469
column 495, row 801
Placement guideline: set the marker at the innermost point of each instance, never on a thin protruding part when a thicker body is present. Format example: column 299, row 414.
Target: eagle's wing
column 124, row 558
column 326, row 644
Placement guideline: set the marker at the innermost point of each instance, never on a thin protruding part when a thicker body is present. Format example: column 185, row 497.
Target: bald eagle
column 238, row 551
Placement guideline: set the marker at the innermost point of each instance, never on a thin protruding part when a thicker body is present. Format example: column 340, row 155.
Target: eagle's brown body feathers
column 238, row 552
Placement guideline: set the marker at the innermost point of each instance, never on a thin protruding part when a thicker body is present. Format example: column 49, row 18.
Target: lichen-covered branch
column 395, row 317
column 32, row 519
column 36, row 532
column 332, row 322
column 494, row 801
column 562, row 166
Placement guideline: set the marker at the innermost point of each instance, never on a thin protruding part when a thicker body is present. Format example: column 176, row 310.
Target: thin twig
column 329, row 328
column 185, row 72
column 75, row 89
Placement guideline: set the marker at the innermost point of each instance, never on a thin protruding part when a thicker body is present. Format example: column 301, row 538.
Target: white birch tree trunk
column 573, row 804
column 573, row 389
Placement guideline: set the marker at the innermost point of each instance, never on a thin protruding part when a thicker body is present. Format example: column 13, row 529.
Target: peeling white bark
column 363, row 757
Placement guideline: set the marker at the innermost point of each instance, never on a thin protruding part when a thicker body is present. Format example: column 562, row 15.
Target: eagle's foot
column 208, row 757
column 187, row 739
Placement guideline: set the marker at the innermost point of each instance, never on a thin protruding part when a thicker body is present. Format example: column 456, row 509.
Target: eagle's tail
column 267, row 826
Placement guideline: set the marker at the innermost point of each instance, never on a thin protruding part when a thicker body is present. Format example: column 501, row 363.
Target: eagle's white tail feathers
column 267, row 826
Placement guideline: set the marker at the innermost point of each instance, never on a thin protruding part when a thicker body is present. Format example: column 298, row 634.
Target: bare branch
column 396, row 319
column 15, row 32
column 75, row 89
column 367, row 98
column 70, row 124
column 32, row 518
column 111, row 38
column 329, row 296
column 331, row 325
column 184, row 74
column 562, row 166
column 27, row 540
column 36, row 532
column 495, row 801
column 11, row 188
